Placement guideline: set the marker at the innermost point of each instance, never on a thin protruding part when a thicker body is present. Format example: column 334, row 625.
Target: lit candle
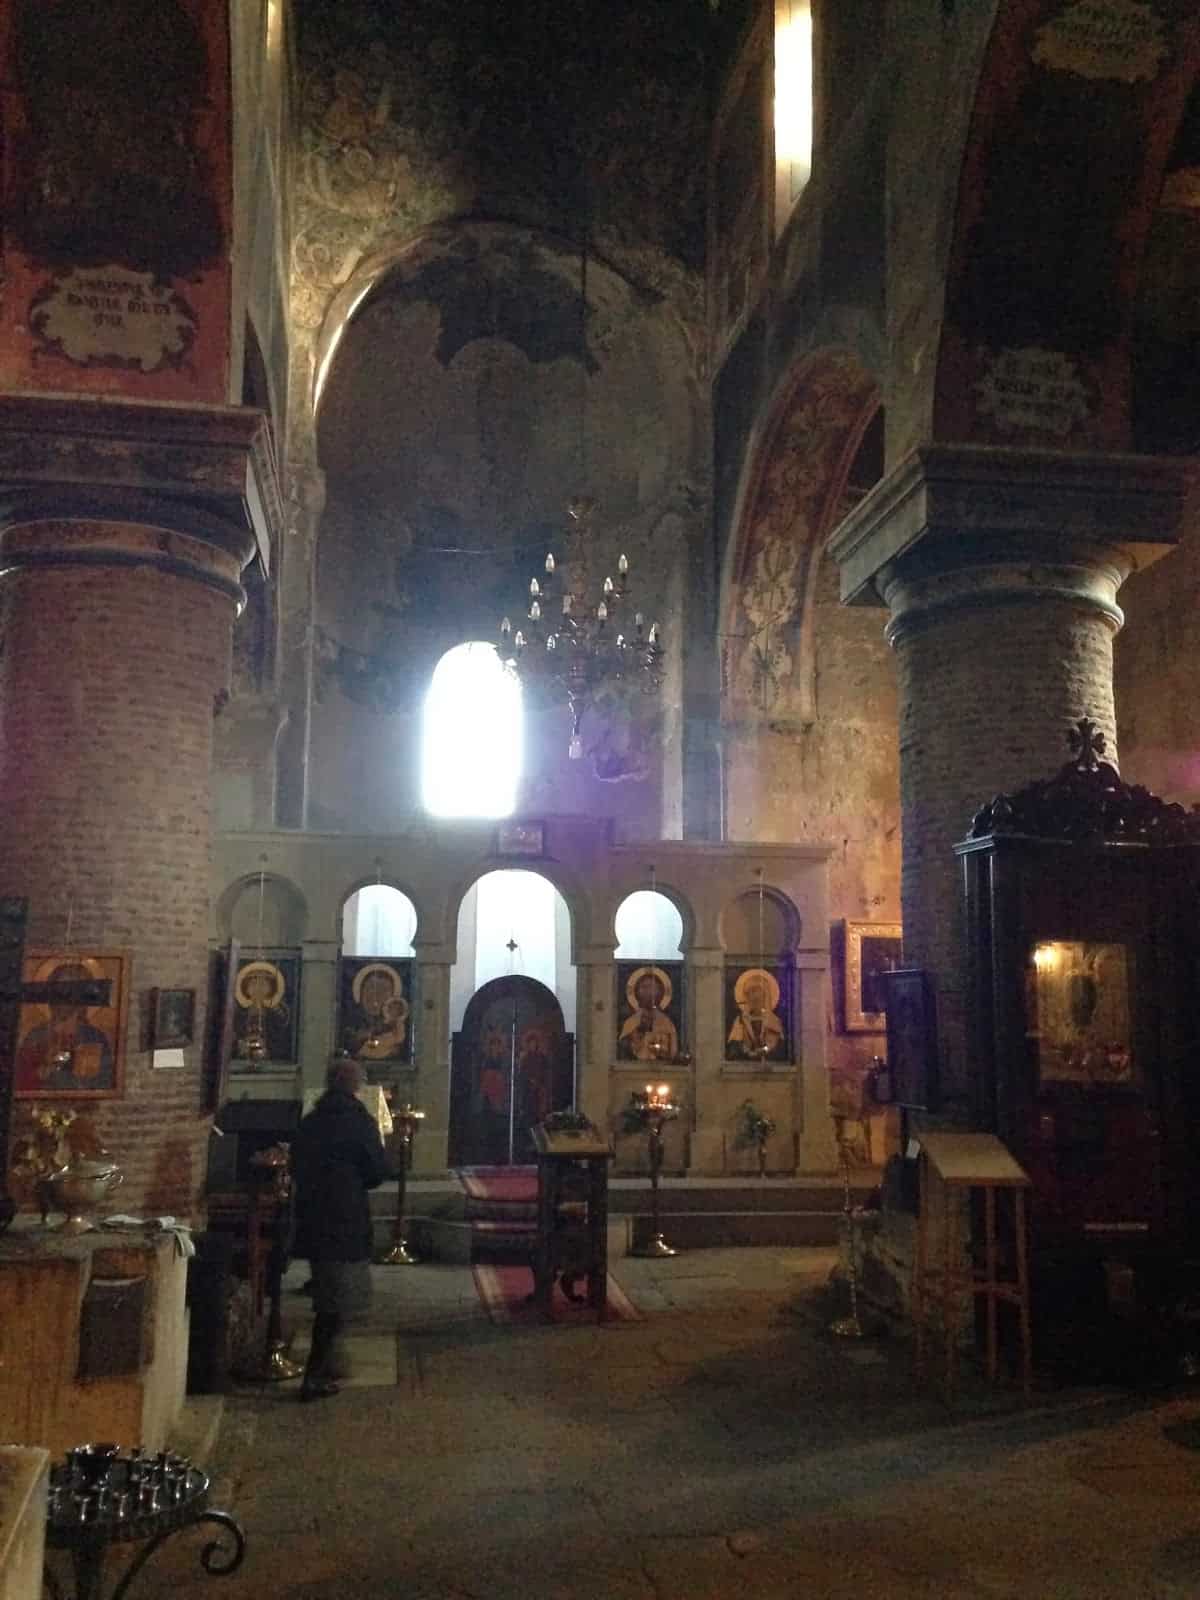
column 535, row 610
column 602, row 612
column 608, row 586
column 505, row 628
column 552, row 642
column 654, row 633
column 534, row 586
column 549, row 562
column 519, row 641
column 622, row 565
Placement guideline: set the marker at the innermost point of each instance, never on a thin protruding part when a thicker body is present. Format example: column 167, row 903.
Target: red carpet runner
column 505, row 1293
column 500, row 1185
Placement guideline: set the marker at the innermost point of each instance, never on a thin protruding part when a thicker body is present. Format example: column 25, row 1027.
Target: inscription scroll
column 1033, row 388
column 112, row 316
column 1104, row 39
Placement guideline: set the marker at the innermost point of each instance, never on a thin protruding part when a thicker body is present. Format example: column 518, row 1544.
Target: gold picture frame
column 73, row 1047
column 871, row 949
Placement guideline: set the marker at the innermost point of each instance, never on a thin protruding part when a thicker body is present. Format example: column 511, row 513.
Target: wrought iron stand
column 98, row 1499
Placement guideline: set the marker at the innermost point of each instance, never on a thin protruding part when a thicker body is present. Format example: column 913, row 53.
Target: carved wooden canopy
column 1087, row 802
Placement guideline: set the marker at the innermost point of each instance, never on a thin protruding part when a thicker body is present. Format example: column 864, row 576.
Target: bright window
column 648, row 927
column 471, row 760
column 378, row 921
column 793, row 104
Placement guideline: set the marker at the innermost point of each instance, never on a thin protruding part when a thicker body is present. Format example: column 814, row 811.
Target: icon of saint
column 758, row 1031
column 648, row 1034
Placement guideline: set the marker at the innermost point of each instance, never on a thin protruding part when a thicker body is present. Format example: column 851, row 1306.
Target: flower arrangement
column 755, row 1127
column 53, row 1136
column 567, row 1122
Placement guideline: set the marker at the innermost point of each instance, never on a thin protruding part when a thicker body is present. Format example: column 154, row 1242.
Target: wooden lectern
column 572, row 1212
column 957, row 1162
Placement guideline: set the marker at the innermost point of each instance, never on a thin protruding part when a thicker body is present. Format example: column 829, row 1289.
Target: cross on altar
column 512, row 945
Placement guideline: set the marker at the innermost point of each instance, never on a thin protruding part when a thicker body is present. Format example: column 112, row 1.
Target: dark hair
column 346, row 1075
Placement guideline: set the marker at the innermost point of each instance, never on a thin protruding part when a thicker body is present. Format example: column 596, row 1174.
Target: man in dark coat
column 337, row 1156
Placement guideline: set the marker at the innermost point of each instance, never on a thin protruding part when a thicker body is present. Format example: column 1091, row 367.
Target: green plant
column 755, row 1127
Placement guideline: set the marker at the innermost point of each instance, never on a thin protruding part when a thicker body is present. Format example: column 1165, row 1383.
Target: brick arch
column 792, row 499
column 1061, row 176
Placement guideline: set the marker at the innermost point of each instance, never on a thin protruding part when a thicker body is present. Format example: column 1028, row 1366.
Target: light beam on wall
column 793, row 102
column 473, row 736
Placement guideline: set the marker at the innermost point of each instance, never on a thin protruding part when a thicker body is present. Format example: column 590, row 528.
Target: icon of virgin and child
column 648, row 1034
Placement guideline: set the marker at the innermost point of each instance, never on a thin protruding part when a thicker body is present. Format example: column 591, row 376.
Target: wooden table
column 958, row 1163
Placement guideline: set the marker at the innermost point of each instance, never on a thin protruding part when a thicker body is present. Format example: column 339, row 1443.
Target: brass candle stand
column 270, row 1208
column 652, row 1108
column 847, row 1327
column 406, row 1120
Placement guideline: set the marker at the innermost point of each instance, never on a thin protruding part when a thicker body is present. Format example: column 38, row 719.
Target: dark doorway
column 512, row 1063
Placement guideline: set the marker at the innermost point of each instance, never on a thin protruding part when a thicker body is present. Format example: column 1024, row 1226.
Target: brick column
column 116, row 644
column 1000, row 571
column 124, row 528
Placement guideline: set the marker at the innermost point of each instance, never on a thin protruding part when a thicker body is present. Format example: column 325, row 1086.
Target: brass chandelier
column 572, row 648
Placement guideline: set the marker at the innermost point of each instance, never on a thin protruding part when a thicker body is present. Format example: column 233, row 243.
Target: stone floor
column 724, row 1445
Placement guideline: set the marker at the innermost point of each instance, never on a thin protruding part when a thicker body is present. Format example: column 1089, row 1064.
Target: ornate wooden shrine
column 1084, row 943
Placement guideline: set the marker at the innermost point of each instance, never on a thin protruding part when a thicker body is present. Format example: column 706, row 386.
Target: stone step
column 449, row 1240
column 631, row 1196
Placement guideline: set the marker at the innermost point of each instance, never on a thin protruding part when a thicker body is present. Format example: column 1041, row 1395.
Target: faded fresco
column 1053, row 215
column 116, row 199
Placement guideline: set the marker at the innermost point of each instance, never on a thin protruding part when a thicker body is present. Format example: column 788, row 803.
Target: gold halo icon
column 761, row 978
column 376, row 969
column 255, row 970
column 636, row 976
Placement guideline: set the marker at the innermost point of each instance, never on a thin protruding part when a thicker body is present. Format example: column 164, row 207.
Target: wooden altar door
column 511, row 1064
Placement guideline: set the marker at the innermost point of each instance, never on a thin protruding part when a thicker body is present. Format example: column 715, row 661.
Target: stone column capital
column 963, row 524
column 206, row 473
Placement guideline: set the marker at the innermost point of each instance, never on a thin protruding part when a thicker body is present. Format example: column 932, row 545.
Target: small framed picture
column 520, row 839
column 912, row 1046
column 174, row 1018
column 872, row 949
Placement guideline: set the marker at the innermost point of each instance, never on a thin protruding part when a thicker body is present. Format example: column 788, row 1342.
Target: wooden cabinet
column 572, row 1213
column 1084, row 1007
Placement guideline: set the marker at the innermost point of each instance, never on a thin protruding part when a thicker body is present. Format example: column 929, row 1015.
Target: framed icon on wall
column 266, row 995
column 375, row 1008
column 758, row 1012
column 71, row 1025
column 872, row 949
column 649, row 1010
